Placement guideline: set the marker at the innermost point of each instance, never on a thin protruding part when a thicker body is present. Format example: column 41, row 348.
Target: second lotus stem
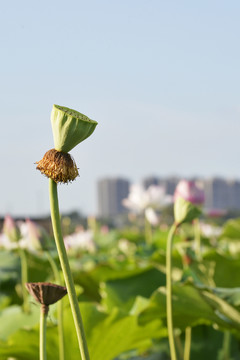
column 24, row 279
column 187, row 347
column 169, row 291
column 42, row 334
column 59, row 308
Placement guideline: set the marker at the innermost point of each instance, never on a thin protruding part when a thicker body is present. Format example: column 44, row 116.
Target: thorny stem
column 169, row 291
column 24, row 279
column 66, row 270
column 59, row 308
column 42, row 335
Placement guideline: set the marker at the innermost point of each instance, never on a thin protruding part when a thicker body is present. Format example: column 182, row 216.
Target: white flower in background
column 6, row 243
column 210, row 231
column 145, row 201
column 139, row 199
column 80, row 240
column 152, row 216
column 126, row 246
column 123, row 245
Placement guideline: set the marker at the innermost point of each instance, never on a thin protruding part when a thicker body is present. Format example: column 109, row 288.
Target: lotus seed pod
column 46, row 293
column 69, row 127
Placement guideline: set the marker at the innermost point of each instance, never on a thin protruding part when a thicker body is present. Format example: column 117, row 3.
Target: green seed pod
column 69, row 127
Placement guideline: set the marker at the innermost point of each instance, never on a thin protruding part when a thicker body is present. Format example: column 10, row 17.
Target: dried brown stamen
column 58, row 166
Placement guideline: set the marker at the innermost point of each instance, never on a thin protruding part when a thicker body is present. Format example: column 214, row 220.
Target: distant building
column 235, row 194
column 222, row 194
column 111, row 192
column 151, row 180
column 169, row 184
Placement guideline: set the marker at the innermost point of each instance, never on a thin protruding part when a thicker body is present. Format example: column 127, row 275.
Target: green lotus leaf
column 70, row 127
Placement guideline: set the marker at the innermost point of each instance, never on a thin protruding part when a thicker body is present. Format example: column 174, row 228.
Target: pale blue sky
column 161, row 77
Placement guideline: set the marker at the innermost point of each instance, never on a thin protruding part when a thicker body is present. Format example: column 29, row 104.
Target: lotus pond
column 120, row 282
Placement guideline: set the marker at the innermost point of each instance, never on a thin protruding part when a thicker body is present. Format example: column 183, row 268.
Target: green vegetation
column 121, row 287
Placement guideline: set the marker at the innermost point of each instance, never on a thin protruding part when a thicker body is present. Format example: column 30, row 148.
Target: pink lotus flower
column 215, row 213
column 189, row 191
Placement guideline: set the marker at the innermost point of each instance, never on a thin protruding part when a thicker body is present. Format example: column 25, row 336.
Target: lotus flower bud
column 10, row 229
column 187, row 197
column 189, row 191
column 184, row 211
column 36, row 237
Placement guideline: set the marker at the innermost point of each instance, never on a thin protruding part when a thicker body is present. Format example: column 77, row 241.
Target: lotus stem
column 197, row 239
column 148, row 232
column 56, row 223
column 24, row 279
column 187, row 346
column 59, row 308
column 42, row 334
column 169, row 291
column 226, row 345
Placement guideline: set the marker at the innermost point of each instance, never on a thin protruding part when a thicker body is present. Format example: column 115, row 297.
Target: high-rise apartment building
column 222, row 194
column 111, row 192
column 168, row 183
column 235, row 194
column 151, row 180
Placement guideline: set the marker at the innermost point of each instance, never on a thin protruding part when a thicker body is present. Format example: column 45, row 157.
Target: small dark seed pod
column 58, row 166
column 46, row 293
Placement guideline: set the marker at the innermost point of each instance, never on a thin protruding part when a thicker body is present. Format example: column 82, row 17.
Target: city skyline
column 220, row 193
